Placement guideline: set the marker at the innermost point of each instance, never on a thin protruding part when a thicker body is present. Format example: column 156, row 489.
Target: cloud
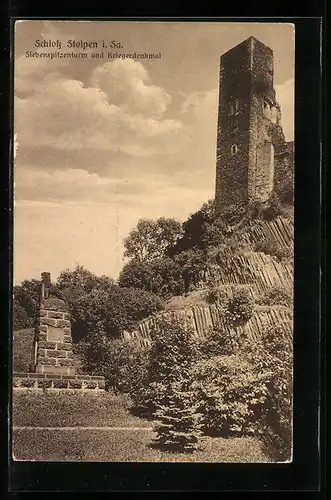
column 126, row 83
column 66, row 115
column 77, row 185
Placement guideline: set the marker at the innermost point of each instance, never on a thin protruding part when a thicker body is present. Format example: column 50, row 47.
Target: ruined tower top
column 249, row 125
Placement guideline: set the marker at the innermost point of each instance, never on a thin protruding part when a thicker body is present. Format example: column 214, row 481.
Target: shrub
column 278, row 295
column 216, row 295
column 274, row 353
column 273, row 208
column 217, row 341
column 240, row 307
column 126, row 370
column 231, row 392
column 22, row 349
column 124, row 364
column 273, row 248
column 249, row 390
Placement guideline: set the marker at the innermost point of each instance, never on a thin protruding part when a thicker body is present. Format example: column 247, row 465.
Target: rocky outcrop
column 201, row 318
column 256, row 271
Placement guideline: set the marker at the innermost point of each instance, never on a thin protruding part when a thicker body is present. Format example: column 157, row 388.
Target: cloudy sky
column 105, row 142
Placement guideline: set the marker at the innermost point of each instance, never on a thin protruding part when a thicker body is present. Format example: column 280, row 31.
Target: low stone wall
column 37, row 382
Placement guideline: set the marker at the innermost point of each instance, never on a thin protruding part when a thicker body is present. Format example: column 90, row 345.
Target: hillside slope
column 256, row 271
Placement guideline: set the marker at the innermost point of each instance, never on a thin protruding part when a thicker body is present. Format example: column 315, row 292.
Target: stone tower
column 249, row 126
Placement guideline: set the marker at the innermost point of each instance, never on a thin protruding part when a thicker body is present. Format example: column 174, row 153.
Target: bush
column 273, row 208
column 217, row 341
column 240, row 307
column 232, row 393
column 278, row 295
column 124, row 364
column 216, row 295
column 273, row 248
column 22, row 349
column 248, row 389
column 274, row 353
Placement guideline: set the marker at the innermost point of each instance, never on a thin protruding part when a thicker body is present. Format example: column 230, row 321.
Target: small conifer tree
column 173, row 354
column 180, row 422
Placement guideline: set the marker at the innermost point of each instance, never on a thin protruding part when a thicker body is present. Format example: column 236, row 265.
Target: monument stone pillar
column 53, row 341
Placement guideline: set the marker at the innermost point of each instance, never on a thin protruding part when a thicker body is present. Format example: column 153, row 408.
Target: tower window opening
column 234, row 107
column 234, row 149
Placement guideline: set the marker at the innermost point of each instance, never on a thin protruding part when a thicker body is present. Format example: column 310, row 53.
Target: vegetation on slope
column 217, row 387
column 22, row 349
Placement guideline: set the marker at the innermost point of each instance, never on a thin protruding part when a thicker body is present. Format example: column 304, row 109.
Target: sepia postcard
column 153, row 241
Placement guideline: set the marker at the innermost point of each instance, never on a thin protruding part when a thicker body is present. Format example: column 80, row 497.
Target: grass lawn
column 72, row 409
column 118, row 445
column 125, row 446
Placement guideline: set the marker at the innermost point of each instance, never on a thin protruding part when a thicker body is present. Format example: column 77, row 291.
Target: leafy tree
column 193, row 265
column 79, row 282
column 161, row 276
column 151, row 238
column 20, row 317
column 26, row 297
column 116, row 309
column 136, row 274
column 195, row 230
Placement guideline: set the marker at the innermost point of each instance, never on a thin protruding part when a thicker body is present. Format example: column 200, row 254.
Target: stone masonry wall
column 38, row 382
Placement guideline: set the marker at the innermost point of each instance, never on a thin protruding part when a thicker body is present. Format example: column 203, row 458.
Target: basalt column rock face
column 53, row 343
